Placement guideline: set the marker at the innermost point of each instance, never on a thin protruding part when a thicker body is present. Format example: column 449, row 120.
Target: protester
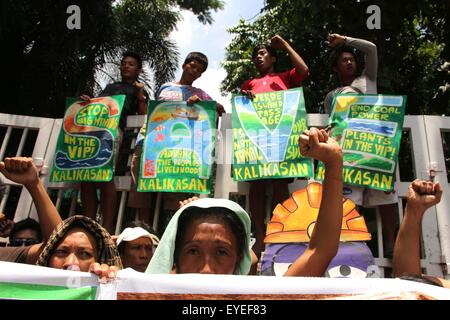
column 343, row 62
column 213, row 235
column 135, row 103
column 70, row 238
column 422, row 195
column 23, row 171
column 136, row 244
column 254, row 258
column 81, row 244
column 264, row 58
column 24, row 233
column 193, row 66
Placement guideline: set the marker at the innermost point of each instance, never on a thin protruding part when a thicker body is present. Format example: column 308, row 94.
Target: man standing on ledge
column 265, row 57
column 343, row 62
column 135, row 103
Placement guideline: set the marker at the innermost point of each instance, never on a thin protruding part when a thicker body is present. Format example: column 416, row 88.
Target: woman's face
column 209, row 246
column 77, row 251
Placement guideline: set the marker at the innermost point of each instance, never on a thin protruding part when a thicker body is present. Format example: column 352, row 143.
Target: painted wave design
column 103, row 157
column 380, row 128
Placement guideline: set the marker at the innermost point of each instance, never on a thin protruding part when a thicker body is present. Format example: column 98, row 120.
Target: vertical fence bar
column 23, row 139
column 123, row 199
column 59, row 199
column 5, row 142
column 380, row 239
column 157, row 211
column 5, row 198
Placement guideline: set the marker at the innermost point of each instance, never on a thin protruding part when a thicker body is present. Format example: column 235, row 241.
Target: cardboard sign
column 178, row 147
column 266, row 132
column 85, row 149
column 369, row 130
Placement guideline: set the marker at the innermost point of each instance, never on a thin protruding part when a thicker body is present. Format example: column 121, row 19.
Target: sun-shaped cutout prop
column 294, row 220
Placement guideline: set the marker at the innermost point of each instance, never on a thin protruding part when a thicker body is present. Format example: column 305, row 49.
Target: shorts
column 139, row 200
column 367, row 198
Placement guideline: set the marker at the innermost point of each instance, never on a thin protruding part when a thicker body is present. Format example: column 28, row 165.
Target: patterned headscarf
column 106, row 249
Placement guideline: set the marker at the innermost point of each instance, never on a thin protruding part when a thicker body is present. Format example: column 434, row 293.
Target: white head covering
column 130, row 234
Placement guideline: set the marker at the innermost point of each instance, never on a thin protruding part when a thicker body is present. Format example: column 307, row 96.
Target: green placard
column 369, row 130
column 265, row 136
column 85, row 149
column 178, row 147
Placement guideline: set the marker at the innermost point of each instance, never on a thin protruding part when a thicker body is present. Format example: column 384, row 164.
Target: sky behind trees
column 212, row 40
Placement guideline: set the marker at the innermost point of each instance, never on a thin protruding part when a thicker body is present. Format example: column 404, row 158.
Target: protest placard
column 178, row 147
column 265, row 136
column 369, row 130
column 85, row 149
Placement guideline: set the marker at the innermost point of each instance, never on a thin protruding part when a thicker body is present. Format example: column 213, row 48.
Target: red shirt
column 275, row 82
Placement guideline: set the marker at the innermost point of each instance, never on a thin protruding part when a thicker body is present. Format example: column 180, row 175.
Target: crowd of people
column 213, row 235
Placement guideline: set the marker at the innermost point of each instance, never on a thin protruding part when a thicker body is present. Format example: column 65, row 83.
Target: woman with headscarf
column 216, row 229
column 213, row 235
column 74, row 244
column 81, row 244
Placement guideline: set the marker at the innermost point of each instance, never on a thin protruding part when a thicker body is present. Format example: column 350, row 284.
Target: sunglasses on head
column 18, row 242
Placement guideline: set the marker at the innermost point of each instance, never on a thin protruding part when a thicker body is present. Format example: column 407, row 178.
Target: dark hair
column 199, row 57
column 24, row 224
column 133, row 55
column 135, row 224
column 142, row 224
column 336, row 53
column 269, row 49
column 224, row 215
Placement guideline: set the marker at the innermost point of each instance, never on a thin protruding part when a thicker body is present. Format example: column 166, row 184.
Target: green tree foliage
column 44, row 61
column 412, row 46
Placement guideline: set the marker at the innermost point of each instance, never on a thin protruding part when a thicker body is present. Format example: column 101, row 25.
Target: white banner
column 20, row 281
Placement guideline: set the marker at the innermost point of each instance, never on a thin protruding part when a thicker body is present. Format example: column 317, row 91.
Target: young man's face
column 192, row 70
column 346, row 65
column 263, row 60
column 129, row 68
column 24, row 237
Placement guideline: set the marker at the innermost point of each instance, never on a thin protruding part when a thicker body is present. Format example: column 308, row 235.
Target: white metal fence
column 426, row 145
